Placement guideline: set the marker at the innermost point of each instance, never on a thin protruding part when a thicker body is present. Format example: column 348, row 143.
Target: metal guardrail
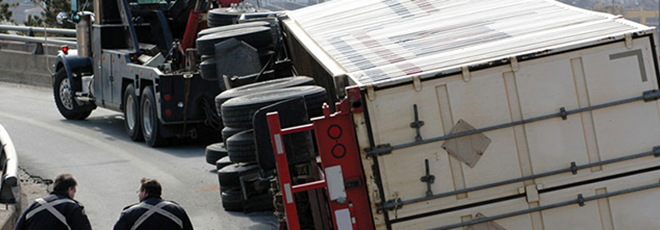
column 31, row 30
column 9, row 158
column 39, row 41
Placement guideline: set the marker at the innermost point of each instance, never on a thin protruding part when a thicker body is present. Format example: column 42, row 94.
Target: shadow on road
column 112, row 125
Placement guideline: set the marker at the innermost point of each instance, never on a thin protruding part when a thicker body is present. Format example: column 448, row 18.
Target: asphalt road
column 109, row 166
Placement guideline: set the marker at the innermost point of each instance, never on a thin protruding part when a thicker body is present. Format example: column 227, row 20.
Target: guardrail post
column 38, row 47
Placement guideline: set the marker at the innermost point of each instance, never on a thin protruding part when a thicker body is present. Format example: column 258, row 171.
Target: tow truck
column 138, row 57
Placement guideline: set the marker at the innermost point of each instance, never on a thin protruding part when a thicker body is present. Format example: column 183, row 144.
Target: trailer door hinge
column 379, row 150
column 629, row 41
column 466, row 74
column 514, row 64
column 371, row 95
column 417, row 83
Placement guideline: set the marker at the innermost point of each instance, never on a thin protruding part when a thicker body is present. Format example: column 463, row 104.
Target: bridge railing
column 39, row 41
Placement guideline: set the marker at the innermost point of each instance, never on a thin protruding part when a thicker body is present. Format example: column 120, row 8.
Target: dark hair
column 151, row 187
column 63, row 182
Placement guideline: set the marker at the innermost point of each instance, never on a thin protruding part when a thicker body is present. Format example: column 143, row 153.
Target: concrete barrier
column 18, row 64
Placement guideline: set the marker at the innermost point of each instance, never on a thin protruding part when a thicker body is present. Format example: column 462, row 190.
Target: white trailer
column 490, row 114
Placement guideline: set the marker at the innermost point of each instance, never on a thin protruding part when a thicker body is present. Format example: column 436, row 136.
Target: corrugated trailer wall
column 306, row 65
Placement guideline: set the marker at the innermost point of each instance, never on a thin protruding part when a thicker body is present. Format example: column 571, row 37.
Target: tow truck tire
column 232, row 199
column 230, row 175
column 229, row 131
column 222, row 162
column 151, row 126
column 238, row 112
column 214, row 152
column 256, row 37
column 132, row 123
column 260, row 87
column 66, row 104
column 241, row 147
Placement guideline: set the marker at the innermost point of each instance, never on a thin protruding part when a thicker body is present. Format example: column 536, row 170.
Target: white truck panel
column 487, row 63
column 500, row 95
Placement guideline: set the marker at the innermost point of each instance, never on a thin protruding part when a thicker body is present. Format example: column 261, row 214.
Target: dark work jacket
column 155, row 221
column 74, row 213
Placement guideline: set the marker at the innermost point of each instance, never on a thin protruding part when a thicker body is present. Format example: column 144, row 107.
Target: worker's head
column 149, row 188
column 65, row 183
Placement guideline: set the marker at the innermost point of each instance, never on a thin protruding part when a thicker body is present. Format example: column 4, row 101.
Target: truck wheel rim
column 146, row 117
column 65, row 94
column 130, row 112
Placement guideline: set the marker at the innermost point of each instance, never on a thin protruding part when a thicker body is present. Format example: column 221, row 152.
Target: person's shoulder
column 172, row 203
column 127, row 208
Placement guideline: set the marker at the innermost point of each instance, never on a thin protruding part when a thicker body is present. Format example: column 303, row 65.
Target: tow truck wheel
column 151, row 126
column 64, row 100
column 131, row 114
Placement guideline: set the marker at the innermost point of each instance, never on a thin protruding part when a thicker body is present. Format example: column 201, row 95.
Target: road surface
column 109, row 166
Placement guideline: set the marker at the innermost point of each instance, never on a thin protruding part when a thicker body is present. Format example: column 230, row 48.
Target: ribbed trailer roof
column 387, row 41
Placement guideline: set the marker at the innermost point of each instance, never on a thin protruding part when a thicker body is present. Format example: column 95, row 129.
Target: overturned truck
column 523, row 114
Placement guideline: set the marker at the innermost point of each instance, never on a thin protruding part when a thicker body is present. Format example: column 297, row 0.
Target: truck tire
column 66, row 104
column 232, row 199
column 260, row 87
column 213, row 30
column 132, row 123
column 229, row 131
column 226, row 16
column 222, row 162
column 230, row 175
column 241, row 147
column 214, row 152
column 208, row 71
column 151, row 126
column 238, row 112
column 256, row 37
